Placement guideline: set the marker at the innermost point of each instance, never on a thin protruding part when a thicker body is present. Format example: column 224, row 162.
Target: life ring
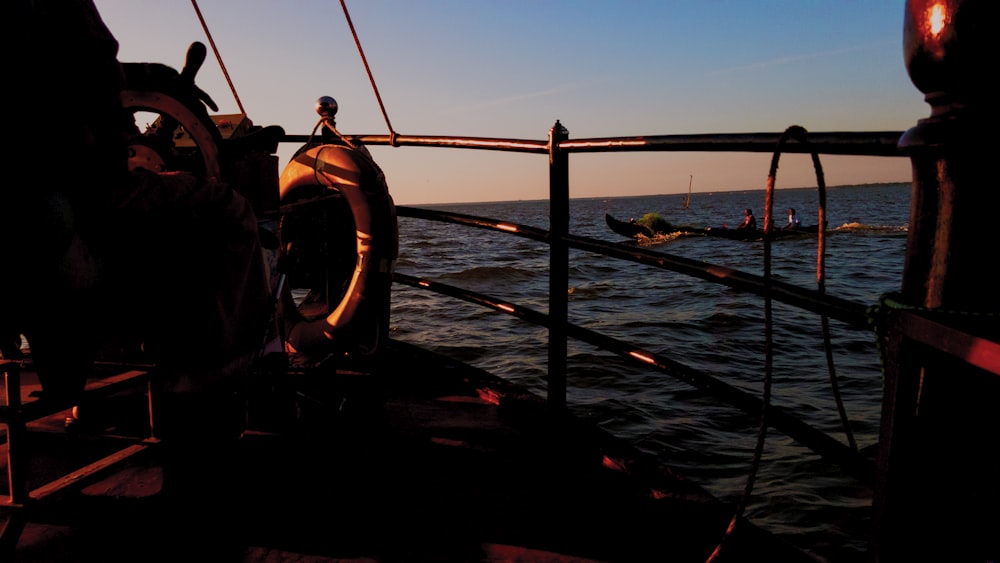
column 316, row 188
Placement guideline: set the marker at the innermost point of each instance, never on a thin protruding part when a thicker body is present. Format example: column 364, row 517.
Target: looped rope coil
column 796, row 133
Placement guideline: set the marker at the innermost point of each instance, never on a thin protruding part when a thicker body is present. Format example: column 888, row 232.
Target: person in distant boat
column 749, row 221
column 793, row 220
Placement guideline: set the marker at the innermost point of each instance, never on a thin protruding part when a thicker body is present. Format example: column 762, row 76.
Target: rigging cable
column 218, row 57
column 371, row 79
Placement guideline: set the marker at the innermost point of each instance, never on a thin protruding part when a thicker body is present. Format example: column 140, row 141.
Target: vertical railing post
column 936, row 497
column 17, row 464
column 558, row 265
column 16, row 429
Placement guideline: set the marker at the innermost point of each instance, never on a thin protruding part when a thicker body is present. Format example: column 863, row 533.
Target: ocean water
column 710, row 327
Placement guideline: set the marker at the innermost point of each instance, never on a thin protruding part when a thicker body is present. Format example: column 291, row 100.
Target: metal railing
column 558, row 147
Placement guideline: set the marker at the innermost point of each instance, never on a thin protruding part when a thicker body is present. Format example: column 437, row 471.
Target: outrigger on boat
column 355, row 445
column 652, row 226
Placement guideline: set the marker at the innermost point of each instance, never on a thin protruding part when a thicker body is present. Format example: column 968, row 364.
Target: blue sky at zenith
column 512, row 68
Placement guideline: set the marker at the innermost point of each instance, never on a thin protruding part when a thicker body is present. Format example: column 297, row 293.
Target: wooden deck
column 414, row 459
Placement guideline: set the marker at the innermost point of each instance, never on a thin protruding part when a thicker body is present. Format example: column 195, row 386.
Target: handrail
column 872, row 143
column 975, row 349
column 854, row 315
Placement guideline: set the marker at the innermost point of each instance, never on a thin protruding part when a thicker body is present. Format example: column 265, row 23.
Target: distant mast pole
column 687, row 202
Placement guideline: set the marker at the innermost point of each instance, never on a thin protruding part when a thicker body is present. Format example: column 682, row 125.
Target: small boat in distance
column 652, row 227
column 687, row 202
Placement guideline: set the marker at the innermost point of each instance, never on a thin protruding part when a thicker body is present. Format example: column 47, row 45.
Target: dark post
column 13, row 419
column 938, row 488
column 558, row 265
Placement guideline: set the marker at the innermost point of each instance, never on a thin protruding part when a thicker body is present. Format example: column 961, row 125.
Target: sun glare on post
column 938, row 18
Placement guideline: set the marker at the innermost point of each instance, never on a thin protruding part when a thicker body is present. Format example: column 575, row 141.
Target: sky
column 512, row 68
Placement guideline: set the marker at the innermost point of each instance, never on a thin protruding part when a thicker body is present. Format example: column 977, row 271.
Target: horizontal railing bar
column 871, row 143
column 977, row 350
column 441, row 141
column 853, row 314
column 880, row 143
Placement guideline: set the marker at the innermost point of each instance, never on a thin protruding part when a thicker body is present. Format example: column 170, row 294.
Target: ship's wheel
column 180, row 135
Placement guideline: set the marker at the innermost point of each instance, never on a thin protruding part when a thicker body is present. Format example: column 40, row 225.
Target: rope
column 878, row 320
column 218, row 57
column 878, row 317
column 797, row 133
column 359, row 148
column 393, row 136
column 357, row 42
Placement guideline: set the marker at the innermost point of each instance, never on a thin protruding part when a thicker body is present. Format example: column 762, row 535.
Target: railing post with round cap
column 936, row 496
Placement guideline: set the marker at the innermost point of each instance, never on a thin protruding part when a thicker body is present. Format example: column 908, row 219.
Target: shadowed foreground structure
column 383, row 464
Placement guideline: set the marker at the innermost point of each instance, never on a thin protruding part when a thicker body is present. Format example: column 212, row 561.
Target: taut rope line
column 218, row 57
column 385, row 115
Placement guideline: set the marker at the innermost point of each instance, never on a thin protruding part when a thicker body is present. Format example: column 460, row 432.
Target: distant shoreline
column 677, row 194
